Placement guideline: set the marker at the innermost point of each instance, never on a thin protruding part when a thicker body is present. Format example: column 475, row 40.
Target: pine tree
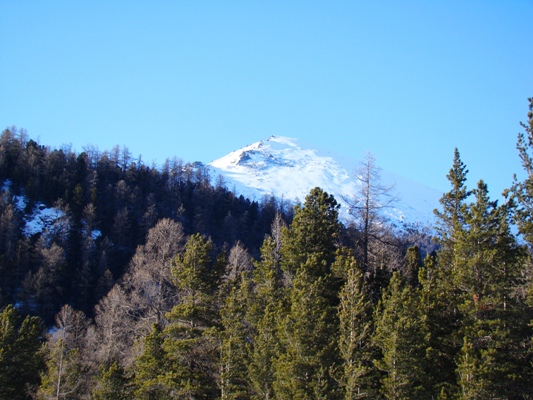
column 439, row 294
column 307, row 332
column 112, row 385
column 401, row 336
column 451, row 219
column 234, row 337
column 263, row 313
column 151, row 367
column 20, row 358
column 356, row 373
column 313, row 233
column 440, row 318
column 487, row 270
column 191, row 337
column 522, row 192
column 412, row 265
column 472, row 303
column 307, row 337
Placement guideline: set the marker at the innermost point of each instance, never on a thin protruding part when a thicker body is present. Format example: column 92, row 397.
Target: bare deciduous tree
column 145, row 294
column 375, row 242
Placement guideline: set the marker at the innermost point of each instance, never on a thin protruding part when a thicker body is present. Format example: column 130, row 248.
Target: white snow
column 42, row 218
column 286, row 168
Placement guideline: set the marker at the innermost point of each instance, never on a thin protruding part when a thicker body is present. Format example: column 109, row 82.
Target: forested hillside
column 153, row 284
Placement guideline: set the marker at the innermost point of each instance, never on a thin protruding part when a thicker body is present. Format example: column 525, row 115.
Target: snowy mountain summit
column 288, row 169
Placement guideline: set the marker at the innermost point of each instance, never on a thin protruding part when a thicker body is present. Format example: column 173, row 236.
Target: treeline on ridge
column 189, row 292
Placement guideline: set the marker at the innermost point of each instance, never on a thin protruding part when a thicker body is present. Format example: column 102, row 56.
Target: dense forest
column 155, row 283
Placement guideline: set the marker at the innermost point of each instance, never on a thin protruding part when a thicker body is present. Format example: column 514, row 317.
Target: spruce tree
column 191, row 337
column 439, row 294
column 307, row 336
column 150, row 368
column 487, row 270
column 412, row 265
column 451, row 218
column 313, row 233
column 402, row 338
column 356, row 373
column 441, row 324
column 264, row 313
column 522, row 192
column 113, row 384
column 234, row 338
column 307, row 332
column 20, row 358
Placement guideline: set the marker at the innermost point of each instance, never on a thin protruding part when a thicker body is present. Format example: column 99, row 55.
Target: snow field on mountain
column 287, row 169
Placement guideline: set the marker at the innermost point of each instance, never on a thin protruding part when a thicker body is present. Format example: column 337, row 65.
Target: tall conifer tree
column 20, row 359
column 486, row 272
column 191, row 339
column 402, row 338
column 308, row 331
column 264, row 313
column 356, row 373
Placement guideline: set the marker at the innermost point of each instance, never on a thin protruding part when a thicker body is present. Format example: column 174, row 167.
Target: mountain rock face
column 288, row 169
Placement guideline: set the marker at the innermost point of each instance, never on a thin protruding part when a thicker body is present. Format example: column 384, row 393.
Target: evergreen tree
column 112, row 385
column 313, row 233
column 487, row 270
column 356, row 374
column 522, row 192
column 234, row 337
column 402, row 338
column 307, row 332
column 20, row 358
column 151, row 367
column 412, row 265
column 307, row 336
column 441, row 324
column 477, row 276
column 263, row 312
column 191, row 338
column 451, row 218
column 439, row 294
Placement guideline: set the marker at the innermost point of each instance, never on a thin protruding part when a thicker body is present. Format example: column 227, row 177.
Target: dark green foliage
column 307, row 332
column 412, row 265
column 191, row 338
column 151, row 367
column 263, row 313
column 20, row 358
column 356, row 373
column 451, row 219
column 307, row 337
column 113, row 384
column 479, row 271
column 234, row 342
column 401, row 335
column 522, row 192
column 313, row 233
column 487, row 268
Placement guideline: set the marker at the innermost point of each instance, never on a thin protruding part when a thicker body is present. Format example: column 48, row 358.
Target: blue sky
column 407, row 80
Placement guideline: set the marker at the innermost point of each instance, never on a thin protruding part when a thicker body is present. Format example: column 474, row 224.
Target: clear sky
column 406, row 80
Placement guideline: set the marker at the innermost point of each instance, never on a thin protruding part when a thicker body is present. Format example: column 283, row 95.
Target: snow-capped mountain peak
column 287, row 168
